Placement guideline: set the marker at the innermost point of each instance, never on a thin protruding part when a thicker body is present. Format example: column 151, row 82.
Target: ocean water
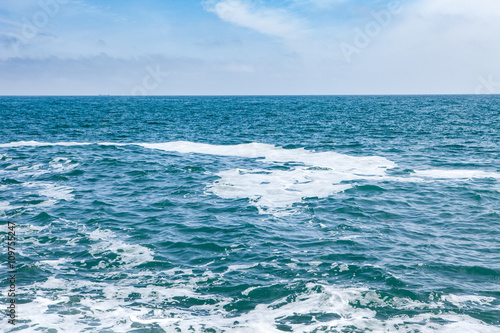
column 252, row 214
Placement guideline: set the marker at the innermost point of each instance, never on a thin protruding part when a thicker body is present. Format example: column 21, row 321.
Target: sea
column 250, row 214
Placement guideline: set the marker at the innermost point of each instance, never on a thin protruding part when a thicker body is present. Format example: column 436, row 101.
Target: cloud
column 433, row 46
column 452, row 29
column 267, row 21
column 105, row 74
column 485, row 9
column 88, row 75
column 8, row 42
column 321, row 4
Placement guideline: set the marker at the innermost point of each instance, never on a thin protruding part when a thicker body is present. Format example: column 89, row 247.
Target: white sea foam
column 463, row 300
column 22, row 171
column 57, row 192
column 106, row 305
column 368, row 165
column 34, row 170
column 313, row 175
column 320, row 175
column 28, row 185
column 5, row 206
column 52, row 191
column 72, row 304
column 129, row 255
column 323, row 299
column 41, row 144
column 231, row 268
column 62, row 164
column 248, row 290
column 314, row 263
column 5, row 158
column 456, row 174
column 343, row 267
column 274, row 191
column 55, row 264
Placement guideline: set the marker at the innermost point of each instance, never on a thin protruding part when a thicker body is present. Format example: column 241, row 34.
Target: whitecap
column 130, row 255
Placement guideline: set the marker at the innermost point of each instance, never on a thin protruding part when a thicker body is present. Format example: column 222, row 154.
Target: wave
column 121, row 305
column 149, row 297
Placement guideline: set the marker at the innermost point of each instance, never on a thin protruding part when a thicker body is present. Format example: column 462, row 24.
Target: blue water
column 252, row 214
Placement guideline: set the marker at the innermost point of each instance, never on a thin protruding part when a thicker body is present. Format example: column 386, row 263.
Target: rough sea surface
column 252, row 214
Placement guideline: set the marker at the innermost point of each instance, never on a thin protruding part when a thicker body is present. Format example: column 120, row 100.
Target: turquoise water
column 252, row 214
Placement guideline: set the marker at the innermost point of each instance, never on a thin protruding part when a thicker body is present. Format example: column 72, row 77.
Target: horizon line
column 256, row 95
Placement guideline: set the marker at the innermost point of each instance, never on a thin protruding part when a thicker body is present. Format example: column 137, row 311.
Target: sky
column 249, row 47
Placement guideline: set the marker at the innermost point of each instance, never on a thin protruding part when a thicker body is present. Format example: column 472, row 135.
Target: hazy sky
column 178, row 47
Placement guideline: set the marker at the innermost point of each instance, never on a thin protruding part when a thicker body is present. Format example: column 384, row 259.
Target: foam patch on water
column 313, row 174
column 62, row 164
column 53, row 264
column 41, row 144
column 330, row 309
column 270, row 153
column 321, row 174
column 128, row 255
column 456, row 174
column 4, row 207
column 54, row 166
column 274, row 191
column 368, row 165
column 27, row 187
column 34, row 170
column 464, row 300
column 54, row 191
column 231, row 268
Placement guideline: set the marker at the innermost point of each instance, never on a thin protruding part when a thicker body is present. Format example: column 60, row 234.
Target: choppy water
column 253, row 214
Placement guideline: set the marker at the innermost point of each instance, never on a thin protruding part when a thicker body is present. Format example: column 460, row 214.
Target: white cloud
column 433, row 46
column 321, row 4
column 484, row 9
column 450, row 28
column 268, row 21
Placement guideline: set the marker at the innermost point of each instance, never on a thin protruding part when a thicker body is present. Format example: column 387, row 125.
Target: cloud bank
column 250, row 46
